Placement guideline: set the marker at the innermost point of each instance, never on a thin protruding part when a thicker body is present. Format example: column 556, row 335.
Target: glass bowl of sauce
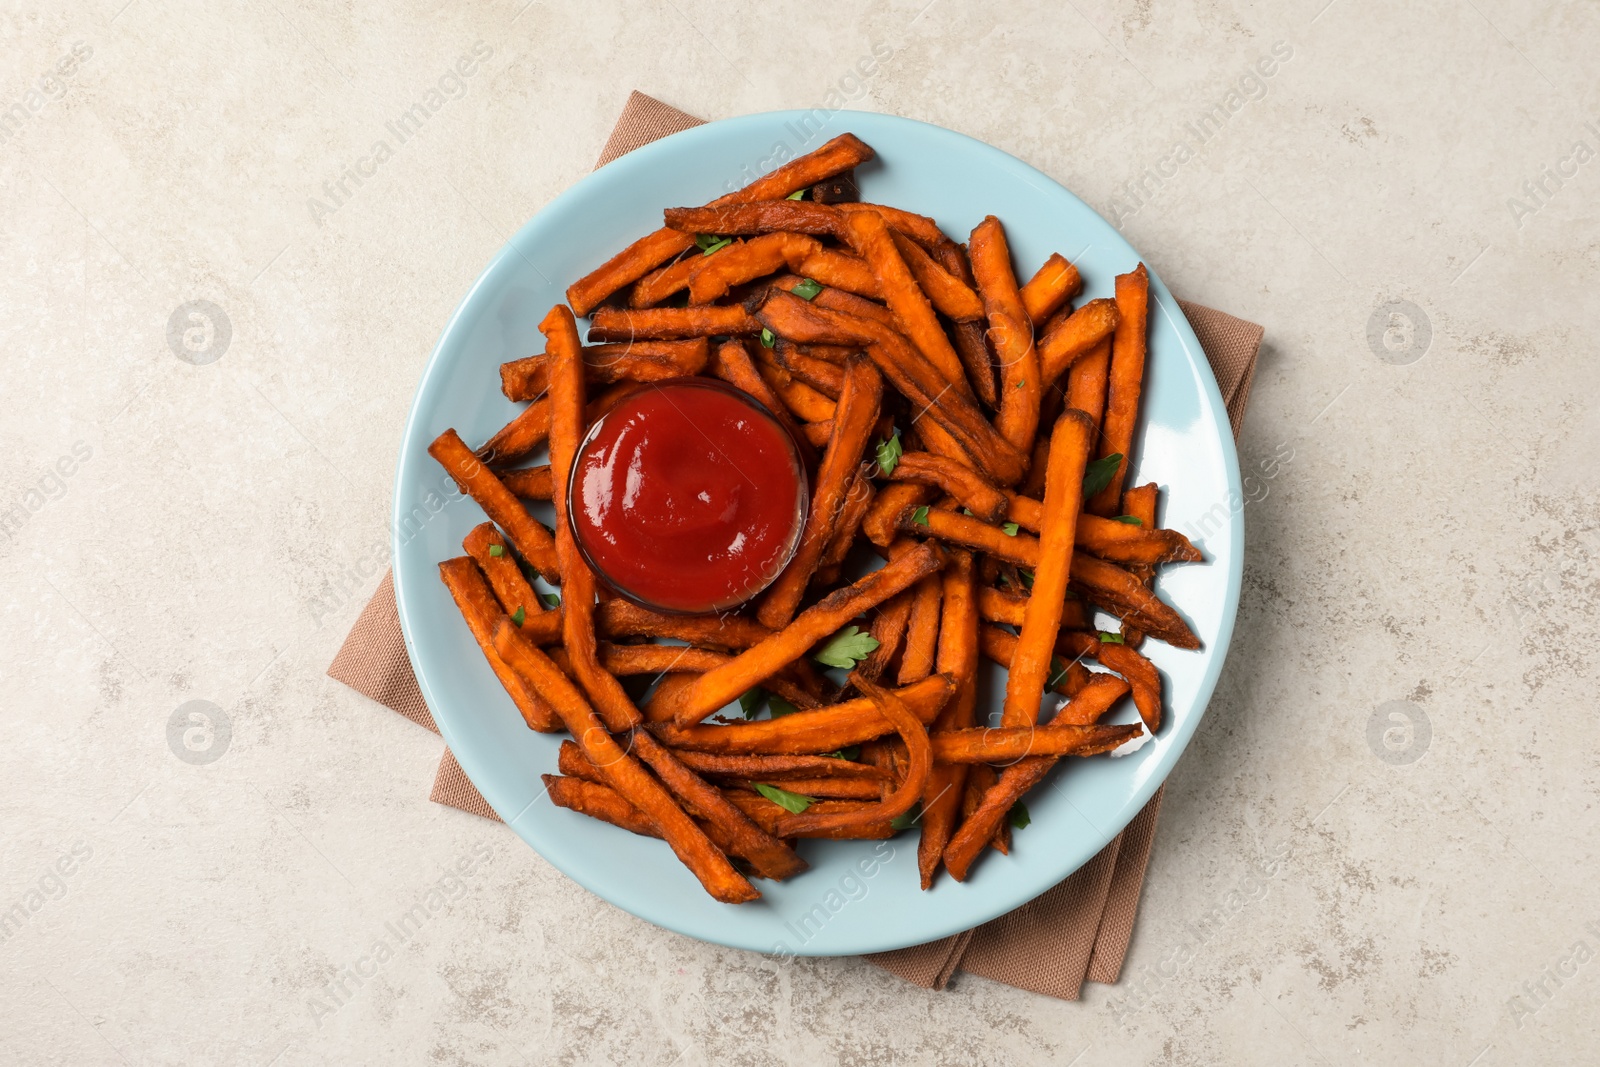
column 688, row 497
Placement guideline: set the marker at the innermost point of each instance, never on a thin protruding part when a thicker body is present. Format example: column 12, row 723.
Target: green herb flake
column 1111, row 638
column 550, row 600
column 496, row 551
column 520, row 616
column 1131, row 520
column 851, row 753
column 807, row 289
column 1010, row 528
column 779, row 706
column 791, row 802
column 846, row 648
column 1019, row 816
column 907, row 820
column 1098, row 474
column 798, row 194
column 1027, row 579
column 889, row 453
column 750, row 701
column 767, row 339
column 1021, row 383
column 920, row 516
column 968, row 512
column 1058, row 672
column 719, row 246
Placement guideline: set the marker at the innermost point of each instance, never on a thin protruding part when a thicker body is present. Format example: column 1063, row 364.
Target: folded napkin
column 1075, row 932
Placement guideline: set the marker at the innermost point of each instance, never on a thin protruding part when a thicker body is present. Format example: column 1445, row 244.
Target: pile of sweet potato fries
column 972, row 431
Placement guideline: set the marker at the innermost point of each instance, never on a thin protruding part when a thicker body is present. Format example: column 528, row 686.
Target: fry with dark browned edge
column 478, row 607
column 1008, row 744
column 716, row 687
column 532, row 541
column 1125, row 384
column 669, row 324
column 1140, row 502
column 857, row 412
column 638, row 361
column 958, row 657
column 626, row 776
column 1010, row 332
column 598, row 802
column 565, row 368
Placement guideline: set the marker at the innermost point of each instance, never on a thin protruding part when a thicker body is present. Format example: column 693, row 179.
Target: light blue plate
column 858, row 896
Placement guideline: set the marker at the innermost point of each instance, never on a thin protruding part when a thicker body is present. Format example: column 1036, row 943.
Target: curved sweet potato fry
column 1141, row 675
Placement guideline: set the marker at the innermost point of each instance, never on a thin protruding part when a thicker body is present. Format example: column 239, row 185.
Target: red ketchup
column 688, row 496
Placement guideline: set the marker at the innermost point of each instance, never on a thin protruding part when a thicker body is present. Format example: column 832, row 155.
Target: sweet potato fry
column 971, row 489
column 880, row 525
column 728, row 827
column 1141, row 675
column 733, row 365
column 999, row 645
column 802, row 401
column 471, row 594
column 767, row 216
column 948, row 419
column 1110, row 539
column 638, row 361
column 856, row 502
column 972, row 346
column 532, row 541
column 869, row 235
column 1009, row 744
column 906, row 793
column 922, row 631
column 493, row 557
column 716, row 687
column 949, row 295
column 979, row 827
column 1051, row 286
column 837, row 156
column 598, row 802
column 806, row 732
column 1125, row 596
column 850, row 304
column 780, row 823
column 1070, row 443
column 859, row 403
column 571, row 762
column 958, row 658
column 1126, row 383
column 519, row 438
column 712, row 276
column 997, row 605
column 827, row 378
column 1069, row 337
column 777, row 768
column 667, row 324
column 528, row 483
column 839, row 271
column 624, row 773
column 623, row 618
column 1140, row 503
column 889, row 630
column 1086, row 381
column 980, row 779
column 920, row 228
column 667, row 696
column 1019, row 548
column 1010, row 332
column 578, row 584
column 659, row 284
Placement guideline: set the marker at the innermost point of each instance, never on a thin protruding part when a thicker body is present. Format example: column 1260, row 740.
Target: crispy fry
column 777, row 768
column 839, row 271
column 998, row 605
column 972, row 345
column 667, row 696
column 859, row 403
column 882, row 517
column 823, row 788
column 957, row 657
column 578, row 584
column 1110, row 539
column 1010, row 332
column 980, row 826
column 1141, row 675
column 733, row 365
column 920, row 228
column 1069, row 337
column 1086, row 381
column 1051, row 286
column 922, row 631
column 659, row 284
column 1008, row 744
column 716, row 687
column 712, row 276
column 630, row 660
column 821, row 730
column 980, row 779
column 889, row 630
column 1140, row 503
column 624, row 773
column 1125, row 596
column 767, row 216
column 510, row 587
column 948, row 419
column 1070, row 443
column 971, row 489
column 1000, row 645
column 906, row 793
column 1020, row 548
column 638, row 361
column 1126, row 384
column 800, row 399
column 528, row 483
column 571, row 762
column 841, row 154
column 666, row 324
column 598, row 802
column 731, row 829
column 949, row 294
column 780, row 823
column 532, row 541
column 471, row 594
column 827, row 378
column 845, row 531
column 869, row 235
column 520, row 437
column 623, row 618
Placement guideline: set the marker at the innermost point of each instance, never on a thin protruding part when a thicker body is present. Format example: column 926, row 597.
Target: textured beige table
column 1381, row 846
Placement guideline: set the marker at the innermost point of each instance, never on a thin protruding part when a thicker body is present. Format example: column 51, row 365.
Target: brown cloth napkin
column 1075, row 932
